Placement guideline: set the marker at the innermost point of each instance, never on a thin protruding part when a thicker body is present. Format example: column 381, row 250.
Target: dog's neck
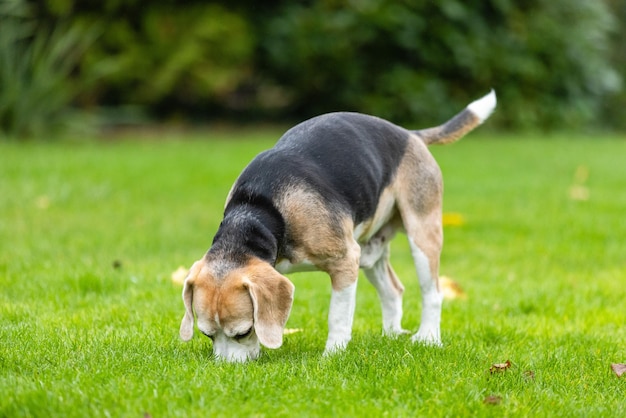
column 249, row 230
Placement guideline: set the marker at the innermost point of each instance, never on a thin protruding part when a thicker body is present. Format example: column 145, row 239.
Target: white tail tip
column 484, row 106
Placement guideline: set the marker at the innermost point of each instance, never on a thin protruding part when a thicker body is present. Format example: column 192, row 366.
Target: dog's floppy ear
column 186, row 326
column 272, row 297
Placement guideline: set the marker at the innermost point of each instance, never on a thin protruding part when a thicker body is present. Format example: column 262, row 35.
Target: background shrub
column 36, row 65
column 548, row 59
column 169, row 58
column 555, row 63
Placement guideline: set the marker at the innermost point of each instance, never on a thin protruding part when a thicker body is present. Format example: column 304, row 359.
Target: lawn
column 90, row 233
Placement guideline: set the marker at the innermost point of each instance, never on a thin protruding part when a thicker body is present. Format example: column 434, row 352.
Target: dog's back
column 348, row 158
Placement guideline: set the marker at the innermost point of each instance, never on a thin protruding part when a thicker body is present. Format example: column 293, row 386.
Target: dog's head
column 244, row 308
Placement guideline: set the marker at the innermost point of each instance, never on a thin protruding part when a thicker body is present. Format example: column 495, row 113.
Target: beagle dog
column 329, row 196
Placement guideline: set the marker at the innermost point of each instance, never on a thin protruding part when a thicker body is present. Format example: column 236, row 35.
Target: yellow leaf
column 453, row 219
column 451, row 289
column 579, row 192
column 179, row 275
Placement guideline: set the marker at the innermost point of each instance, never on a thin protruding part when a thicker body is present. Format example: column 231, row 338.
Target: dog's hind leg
column 420, row 206
column 390, row 290
column 426, row 239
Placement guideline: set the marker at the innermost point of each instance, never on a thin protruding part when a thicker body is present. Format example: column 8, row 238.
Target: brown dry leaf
column 179, row 275
column 619, row 369
column 453, row 219
column 500, row 367
column 451, row 289
column 492, row 400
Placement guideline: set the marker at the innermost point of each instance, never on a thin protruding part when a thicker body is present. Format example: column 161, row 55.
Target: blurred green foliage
column 554, row 63
column 167, row 57
column 37, row 86
column 549, row 60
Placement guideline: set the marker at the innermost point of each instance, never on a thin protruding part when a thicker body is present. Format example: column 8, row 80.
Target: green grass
column 91, row 232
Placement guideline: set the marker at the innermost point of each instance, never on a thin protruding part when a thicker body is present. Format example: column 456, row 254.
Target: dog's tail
column 473, row 115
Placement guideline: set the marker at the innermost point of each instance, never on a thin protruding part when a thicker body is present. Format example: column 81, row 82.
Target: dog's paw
column 427, row 337
column 395, row 332
column 334, row 347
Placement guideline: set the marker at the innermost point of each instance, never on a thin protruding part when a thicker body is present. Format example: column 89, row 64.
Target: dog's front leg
column 344, row 273
column 340, row 318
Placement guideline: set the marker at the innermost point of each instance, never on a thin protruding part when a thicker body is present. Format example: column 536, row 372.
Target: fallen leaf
column 288, row 331
column 619, row 369
column 179, row 275
column 451, row 289
column 500, row 367
column 453, row 219
column 579, row 192
column 529, row 375
column 492, row 400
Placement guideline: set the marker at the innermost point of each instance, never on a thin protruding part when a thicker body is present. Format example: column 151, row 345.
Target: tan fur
column 344, row 267
column 310, row 224
column 446, row 134
column 419, row 188
column 395, row 281
column 252, row 295
column 272, row 297
column 186, row 326
column 384, row 212
column 318, row 236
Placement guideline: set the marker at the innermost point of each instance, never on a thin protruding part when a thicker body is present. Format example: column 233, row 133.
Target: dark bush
column 554, row 63
column 170, row 58
column 419, row 61
column 613, row 113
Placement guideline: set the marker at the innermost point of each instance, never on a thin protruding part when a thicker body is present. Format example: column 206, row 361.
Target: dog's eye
column 243, row 335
